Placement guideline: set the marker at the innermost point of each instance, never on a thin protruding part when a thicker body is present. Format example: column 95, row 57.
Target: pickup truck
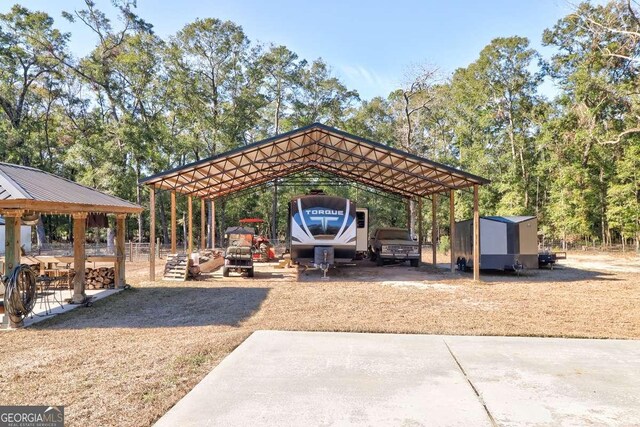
column 393, row 244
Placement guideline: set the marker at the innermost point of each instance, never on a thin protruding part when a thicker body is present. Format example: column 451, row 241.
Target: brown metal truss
column 317, row 147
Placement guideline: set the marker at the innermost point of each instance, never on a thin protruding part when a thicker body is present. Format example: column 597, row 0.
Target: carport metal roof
column 318, row 147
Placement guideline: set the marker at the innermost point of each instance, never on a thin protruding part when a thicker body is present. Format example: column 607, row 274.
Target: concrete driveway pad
column 554, row 381
column 280, row 378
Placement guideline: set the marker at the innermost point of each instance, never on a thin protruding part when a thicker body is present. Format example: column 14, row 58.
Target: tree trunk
column 41, row 237
column 412, row 217
column 277, row 113
column 512, row 138
column 603, row 209
column 184, row 231
column 111, row 237
column 139, row 202
column 163, row 221
column 407, row 114
column 223, row 218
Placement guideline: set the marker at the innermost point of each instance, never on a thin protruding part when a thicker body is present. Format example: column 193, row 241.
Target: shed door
column 529, row 237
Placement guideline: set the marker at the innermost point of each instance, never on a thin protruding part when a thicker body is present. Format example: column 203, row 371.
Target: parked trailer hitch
column 324, row 266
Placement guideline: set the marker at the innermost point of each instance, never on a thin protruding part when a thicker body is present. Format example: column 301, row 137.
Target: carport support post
column 213, row 224
column 434, row 228
column 152, row 234
column 476, row 235
column 173, row 223
column 79, row 237
column 452, row 228
column 274, row 219
column 203, row 225
column 120, row 251
column 420, row 234
column 190, row 231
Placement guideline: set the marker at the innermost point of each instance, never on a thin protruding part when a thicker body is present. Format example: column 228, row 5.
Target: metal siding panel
column 514, row 238
column 493, row 237
column 529, row 237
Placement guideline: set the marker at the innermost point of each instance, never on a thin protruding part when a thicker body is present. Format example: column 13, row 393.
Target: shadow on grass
column 158, row 307
column 367, row 271
column 558, row 274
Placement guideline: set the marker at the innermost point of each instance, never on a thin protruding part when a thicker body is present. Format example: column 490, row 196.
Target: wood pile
column 99, row 278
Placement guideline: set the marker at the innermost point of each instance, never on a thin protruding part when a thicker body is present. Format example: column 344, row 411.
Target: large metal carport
column 325, row 149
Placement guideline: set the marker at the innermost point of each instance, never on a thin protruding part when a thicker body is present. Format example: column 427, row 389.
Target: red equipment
column 263, row 249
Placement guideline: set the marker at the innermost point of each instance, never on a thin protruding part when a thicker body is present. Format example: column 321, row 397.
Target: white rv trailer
column 322, row 230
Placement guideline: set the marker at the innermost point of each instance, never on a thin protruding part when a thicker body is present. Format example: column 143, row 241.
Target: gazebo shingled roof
column 23, row 187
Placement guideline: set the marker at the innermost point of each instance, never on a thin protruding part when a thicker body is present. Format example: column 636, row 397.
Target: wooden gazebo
column 324, row 149
column 25, row 191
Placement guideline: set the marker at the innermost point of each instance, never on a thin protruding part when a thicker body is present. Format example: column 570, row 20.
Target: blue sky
column 368, row 44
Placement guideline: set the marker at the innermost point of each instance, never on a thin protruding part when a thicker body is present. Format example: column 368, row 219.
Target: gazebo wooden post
column 173, row 223
column 120, row 280
column 476, row 235
column 452, row 228
column 203, row 225
column 152, row 233
column 79, row 238
column 12, row 240
column 190, row 232
column 420, row 236
column 213, row 224
column 11, row 256
column 434, row 229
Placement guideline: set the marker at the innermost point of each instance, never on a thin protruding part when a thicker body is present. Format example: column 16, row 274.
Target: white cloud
column 367, row 82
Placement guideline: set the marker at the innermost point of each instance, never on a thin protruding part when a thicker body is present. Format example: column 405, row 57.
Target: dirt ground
column 129, row 358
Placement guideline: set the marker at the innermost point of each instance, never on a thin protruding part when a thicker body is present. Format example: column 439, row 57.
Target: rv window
column 360, row 219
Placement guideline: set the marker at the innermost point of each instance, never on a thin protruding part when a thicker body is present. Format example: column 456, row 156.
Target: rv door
column 362, row 230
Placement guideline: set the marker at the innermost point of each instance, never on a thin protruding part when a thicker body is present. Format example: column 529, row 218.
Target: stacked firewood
column 98, row 278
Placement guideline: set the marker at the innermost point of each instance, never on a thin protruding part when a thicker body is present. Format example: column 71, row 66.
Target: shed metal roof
column 319, row 147
column 23, row 187
column 510, row 219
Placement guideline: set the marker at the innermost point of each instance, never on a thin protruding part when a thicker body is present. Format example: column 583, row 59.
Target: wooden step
column 177, row 268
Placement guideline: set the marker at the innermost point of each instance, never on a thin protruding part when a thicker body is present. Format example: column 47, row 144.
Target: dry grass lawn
column 129, row 358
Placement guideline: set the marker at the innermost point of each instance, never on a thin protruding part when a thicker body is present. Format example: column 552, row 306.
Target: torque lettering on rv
column 323, row 212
